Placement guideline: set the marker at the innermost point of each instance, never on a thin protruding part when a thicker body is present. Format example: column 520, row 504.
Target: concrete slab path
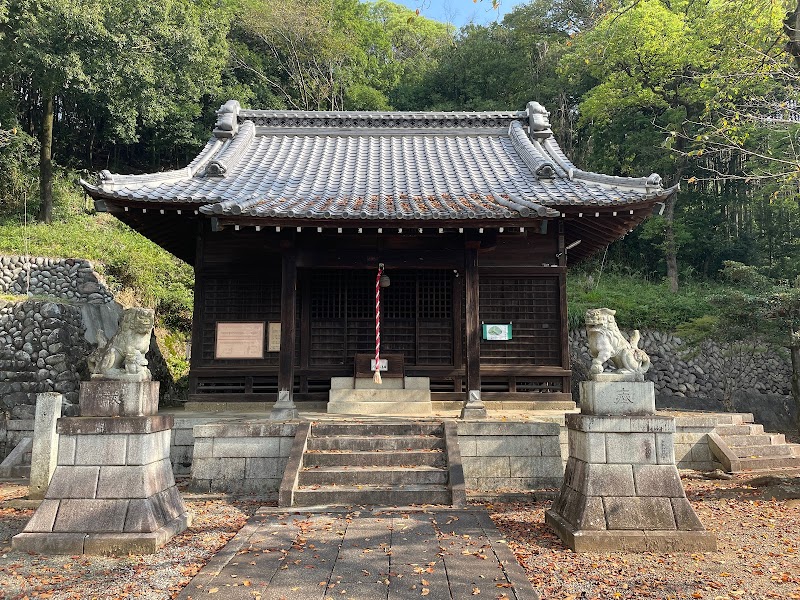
column 440, row 554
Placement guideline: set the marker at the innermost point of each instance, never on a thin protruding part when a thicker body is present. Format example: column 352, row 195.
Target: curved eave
column 169, row 226
column 597, row 228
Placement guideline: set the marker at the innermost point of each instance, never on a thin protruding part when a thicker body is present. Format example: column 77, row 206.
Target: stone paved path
column 364, row 555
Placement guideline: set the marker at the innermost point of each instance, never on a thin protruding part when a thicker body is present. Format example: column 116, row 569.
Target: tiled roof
column 380, row 166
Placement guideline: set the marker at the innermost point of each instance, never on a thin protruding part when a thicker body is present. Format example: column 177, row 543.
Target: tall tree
column 138, row 61
column 329, row 55
column 658, row 61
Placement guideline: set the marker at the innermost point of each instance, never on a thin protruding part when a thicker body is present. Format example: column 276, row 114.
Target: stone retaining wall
column 244, row 458
column 500, row 456
column 679, row 370
column 41, row 346
column 69, row 278
column 495, row 455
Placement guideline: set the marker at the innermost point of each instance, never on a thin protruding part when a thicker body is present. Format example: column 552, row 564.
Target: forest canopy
column 703, row 93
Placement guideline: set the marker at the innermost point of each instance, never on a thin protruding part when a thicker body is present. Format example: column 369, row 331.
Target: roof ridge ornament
column 538, row 120
column 227, row 125
column 654, row 180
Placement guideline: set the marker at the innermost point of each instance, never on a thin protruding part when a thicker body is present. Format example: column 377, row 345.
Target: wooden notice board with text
column 239, row 340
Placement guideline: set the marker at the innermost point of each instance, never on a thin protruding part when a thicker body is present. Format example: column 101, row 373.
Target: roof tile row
column 450, row 172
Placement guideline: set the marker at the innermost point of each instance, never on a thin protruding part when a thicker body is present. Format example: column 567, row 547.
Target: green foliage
column 118, row 70
column 173, row 348
column 18, row 175
column 320, row 55
column 137, row 271
column 640, row 304
column 149, row 275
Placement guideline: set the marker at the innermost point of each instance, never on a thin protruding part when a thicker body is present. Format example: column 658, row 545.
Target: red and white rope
column 377, row 377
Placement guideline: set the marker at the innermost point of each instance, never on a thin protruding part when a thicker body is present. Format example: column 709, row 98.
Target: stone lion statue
column 606, row 342
column 123, row 356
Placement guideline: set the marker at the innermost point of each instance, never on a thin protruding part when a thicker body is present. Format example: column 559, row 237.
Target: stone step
column 726, row 430
column 713, row 420
column 321, row 458
column 762, row 451
column 385, row 476
column 372, row 429
column 412, row 407
column 769, row 463
column 749, row 440
column 402, row 495
column 15, row 471
column 385, row 443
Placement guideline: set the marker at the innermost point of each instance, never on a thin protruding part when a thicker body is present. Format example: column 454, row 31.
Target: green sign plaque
column 497, row 332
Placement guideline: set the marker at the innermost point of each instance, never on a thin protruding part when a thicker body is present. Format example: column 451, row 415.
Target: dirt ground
column 757, row 556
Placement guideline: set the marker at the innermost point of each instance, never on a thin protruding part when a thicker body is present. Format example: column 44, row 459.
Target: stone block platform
column 621, row 489
column 112, row 491
column 395, row 396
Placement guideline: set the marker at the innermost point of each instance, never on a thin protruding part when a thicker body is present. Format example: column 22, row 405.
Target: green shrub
column 138, row 271
column 640, row 304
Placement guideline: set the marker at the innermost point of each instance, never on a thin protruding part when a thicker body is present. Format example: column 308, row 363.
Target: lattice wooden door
column 416, row 310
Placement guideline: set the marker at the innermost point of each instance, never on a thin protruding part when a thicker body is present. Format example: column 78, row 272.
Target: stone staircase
column 18, row 462
column 378, row 463
column 747, row 447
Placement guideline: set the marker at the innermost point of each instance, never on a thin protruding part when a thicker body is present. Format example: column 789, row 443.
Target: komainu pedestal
column 621, row 489
column 113, row 491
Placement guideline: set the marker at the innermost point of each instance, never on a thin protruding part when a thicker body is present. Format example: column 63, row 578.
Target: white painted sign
column 383, row 364
column 274, row 337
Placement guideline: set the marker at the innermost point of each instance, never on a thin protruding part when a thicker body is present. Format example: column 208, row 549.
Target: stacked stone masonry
column 41, row 345
column 691, row 447
column 499, row 456
column 678, row 370
column 105, row 484
column 621, row 472
column 43, row 340
column 621, row 488
column 241, row 457
column 67, row 278
column 113, row 489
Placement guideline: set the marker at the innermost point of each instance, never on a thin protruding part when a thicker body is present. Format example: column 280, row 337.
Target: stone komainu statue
column 123, row 356
column 606, row 342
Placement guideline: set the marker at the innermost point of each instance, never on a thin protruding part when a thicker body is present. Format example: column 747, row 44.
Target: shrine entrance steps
column 746, row 447
column 374, row 463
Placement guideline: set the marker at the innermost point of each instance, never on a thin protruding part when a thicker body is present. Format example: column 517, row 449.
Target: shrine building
column 474, row 217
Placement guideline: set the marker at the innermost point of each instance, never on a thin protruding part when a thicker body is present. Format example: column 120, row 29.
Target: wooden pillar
column 284, row 408
column 566, row 382
column 196, row 354
column 472, row 317
column 474, row 406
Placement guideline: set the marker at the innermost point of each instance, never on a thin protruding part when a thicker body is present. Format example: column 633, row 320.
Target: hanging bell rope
column 377, row 377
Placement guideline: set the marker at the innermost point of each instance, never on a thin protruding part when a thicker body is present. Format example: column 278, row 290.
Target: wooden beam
column 288, row 301
column 562, row 252
column 472, row 315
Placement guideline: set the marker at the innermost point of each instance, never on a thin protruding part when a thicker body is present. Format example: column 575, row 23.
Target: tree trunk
column 46, row 161
column 670, row 249
column 791, row 27
column 794, row 349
